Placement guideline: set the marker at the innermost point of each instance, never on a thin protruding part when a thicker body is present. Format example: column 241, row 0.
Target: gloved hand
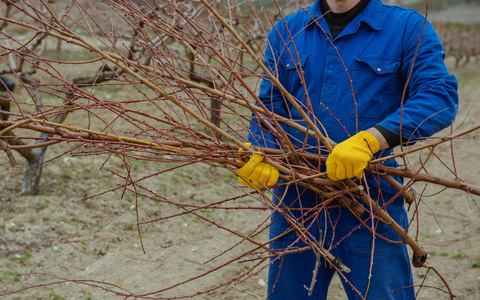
column 350, row 157
column 257, row 173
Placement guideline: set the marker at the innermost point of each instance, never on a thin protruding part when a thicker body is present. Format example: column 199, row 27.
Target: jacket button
column 288, row 65
column 379, row 70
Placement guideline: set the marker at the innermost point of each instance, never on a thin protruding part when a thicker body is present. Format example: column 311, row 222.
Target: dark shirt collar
column 371, row 15
column 339, row 21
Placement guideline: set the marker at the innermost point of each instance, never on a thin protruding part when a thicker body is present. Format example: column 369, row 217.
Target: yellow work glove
column 349, row 158
column 256, row 173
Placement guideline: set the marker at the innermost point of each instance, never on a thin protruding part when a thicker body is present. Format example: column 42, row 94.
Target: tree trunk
column 33, row 171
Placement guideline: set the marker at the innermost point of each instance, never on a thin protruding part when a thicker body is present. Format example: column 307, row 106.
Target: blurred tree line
column 417, row 5
column 436, row 4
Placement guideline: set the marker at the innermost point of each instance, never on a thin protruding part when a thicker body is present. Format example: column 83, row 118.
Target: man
column 376, row 45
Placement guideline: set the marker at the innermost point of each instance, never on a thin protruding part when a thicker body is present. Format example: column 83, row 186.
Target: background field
column 56, row 233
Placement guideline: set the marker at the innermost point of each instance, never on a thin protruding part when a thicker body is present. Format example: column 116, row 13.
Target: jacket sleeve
column 270, row 96
column 431, row 99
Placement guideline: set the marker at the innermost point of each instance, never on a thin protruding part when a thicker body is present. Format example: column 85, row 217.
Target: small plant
column 475, row 264
column 25, row 257
column 15, row 228
column 246, row 201
column 129, row 225
column 207, row 212
column 422, row 273
column 55, row 296
column 41, row 205
column 16, row 275
column 229, row 177
column 56, row 249
column 458, row 255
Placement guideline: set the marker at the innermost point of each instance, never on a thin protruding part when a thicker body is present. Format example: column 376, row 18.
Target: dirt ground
column 56, row 246
column 54, row 236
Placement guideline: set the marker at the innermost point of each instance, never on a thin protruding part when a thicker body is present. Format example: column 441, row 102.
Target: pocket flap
column 289, row 64
column 379, row 65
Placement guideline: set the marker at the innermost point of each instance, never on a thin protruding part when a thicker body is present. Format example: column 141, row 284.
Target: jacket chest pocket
column 374, row 81
column 293, row 71
column 294, row 77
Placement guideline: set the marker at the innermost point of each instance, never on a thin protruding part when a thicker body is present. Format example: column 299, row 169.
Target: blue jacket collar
column 372, row 15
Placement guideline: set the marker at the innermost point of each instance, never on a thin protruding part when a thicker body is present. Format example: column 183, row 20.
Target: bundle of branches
column 188, row 72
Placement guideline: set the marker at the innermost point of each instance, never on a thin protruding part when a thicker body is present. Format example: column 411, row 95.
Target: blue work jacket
column 357, row 80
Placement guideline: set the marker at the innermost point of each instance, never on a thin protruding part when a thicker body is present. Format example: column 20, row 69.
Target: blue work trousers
column 347, row 239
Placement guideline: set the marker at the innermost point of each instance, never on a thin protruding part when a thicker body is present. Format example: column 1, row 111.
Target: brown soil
column 56, row 237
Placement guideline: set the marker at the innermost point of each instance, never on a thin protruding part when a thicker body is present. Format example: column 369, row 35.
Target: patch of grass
column 54, row 296
column 26, row 257
column 16, row 228
column 161, row 188
column 422, row 273
column 51, row 191
column 41, row 205
column 229, row 177
column 188, row 176
column 475, row 264
column 21, row 199
column 56, row 249
column 15, row 275
column 207, row 212
column 129, row 225
column 174, row 179
column 458, row 255
column 246, row 201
